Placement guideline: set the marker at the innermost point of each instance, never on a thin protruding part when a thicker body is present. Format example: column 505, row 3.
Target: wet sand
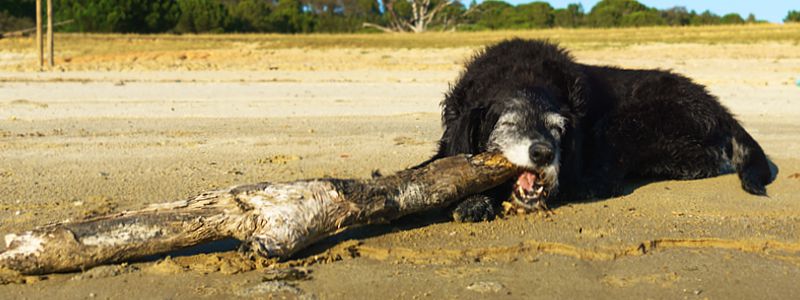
column 84, row 143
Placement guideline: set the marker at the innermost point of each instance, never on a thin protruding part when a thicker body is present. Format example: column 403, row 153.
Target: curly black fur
column 618, row 123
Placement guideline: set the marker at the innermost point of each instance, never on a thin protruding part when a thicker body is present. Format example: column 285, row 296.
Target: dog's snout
column 541, row 153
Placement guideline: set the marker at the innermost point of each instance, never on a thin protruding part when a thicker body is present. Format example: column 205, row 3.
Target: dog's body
column 582, row 129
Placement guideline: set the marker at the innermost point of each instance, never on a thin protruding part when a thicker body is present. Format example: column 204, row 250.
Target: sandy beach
column 112, row 133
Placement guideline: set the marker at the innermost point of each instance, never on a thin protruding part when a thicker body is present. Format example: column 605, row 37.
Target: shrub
column 251, row 16
column 732, row 19
column 706, row 18
column 531, row 15
column 288, row 17
column 792, row 16
column 144, row 16
column 11, row 23
column 609, row 13
column 676, row 16
column 201, row 16
column 643, row 18
column 572, row 16
column 490, row 15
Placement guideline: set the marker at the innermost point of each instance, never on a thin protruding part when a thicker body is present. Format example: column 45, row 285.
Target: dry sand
column 87, row 142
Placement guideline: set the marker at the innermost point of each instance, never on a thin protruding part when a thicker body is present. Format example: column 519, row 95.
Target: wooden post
column 39, row 46
column 50, row 51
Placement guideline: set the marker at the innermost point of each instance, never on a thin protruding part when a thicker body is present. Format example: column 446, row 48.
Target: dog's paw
column 475, row 208
column 608, row 191
column 602, row 189
column 755, row 182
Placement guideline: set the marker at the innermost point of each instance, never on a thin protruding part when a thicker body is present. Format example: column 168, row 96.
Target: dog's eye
column 556, row 123
column 557, row 132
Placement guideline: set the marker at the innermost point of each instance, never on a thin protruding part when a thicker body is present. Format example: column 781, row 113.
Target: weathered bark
column 276, row 219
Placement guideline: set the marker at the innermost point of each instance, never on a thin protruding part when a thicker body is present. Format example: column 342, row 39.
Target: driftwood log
column 274, row 219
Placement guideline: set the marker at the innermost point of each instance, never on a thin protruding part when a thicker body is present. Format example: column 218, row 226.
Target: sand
column 90, row 141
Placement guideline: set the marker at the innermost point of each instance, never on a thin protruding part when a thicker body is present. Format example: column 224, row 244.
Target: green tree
column 288, row 17
column 751, row 18
column 367, row 9
column 706, row 18
column 9, row 22
column 676, row 16
column 489, row 15
column 530, row 15
column 572, row 16
column 19, row 8
column 792, row 16
column 251, row 16
column 88, row 16
column 643, row 18
column 732, row 18
column 450, row 16
column 17, row 14
column 202, row 16
column 609, row 13
column 143, row 16
column 343, row 15
column 160, row 16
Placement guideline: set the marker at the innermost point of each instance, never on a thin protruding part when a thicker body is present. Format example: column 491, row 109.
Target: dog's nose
column 541, row 153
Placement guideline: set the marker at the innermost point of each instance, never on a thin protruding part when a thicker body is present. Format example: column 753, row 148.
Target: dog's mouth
column 530, row 191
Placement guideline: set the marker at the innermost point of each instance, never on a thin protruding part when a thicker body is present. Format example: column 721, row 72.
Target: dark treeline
column 303, row 16
column 15, row 15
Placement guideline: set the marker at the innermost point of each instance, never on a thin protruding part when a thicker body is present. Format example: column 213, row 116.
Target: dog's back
column 666, row 126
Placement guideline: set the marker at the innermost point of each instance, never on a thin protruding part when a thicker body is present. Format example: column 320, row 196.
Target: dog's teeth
column 540, row 190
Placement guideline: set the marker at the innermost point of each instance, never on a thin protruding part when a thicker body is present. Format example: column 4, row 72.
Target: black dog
column 582, row 129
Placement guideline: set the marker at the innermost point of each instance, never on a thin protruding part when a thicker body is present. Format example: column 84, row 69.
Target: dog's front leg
column 603, row 186
column 606, row 179
column 484, row 206
column 475, row 208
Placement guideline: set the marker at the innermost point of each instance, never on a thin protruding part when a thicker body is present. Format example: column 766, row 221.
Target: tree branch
column 437, row 9
column 274, row 219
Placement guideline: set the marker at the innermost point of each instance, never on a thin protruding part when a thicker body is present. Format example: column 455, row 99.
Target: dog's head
column 528, row 131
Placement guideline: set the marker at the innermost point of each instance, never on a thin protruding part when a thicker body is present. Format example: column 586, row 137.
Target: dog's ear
column 578, row 92
column 572, row 82
column 466, row 132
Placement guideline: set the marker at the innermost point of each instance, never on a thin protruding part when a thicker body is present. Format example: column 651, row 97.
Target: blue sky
column 770, row 10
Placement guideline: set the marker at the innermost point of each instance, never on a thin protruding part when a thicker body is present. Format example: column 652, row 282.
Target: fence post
column 39, row 48
column 50, row 51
